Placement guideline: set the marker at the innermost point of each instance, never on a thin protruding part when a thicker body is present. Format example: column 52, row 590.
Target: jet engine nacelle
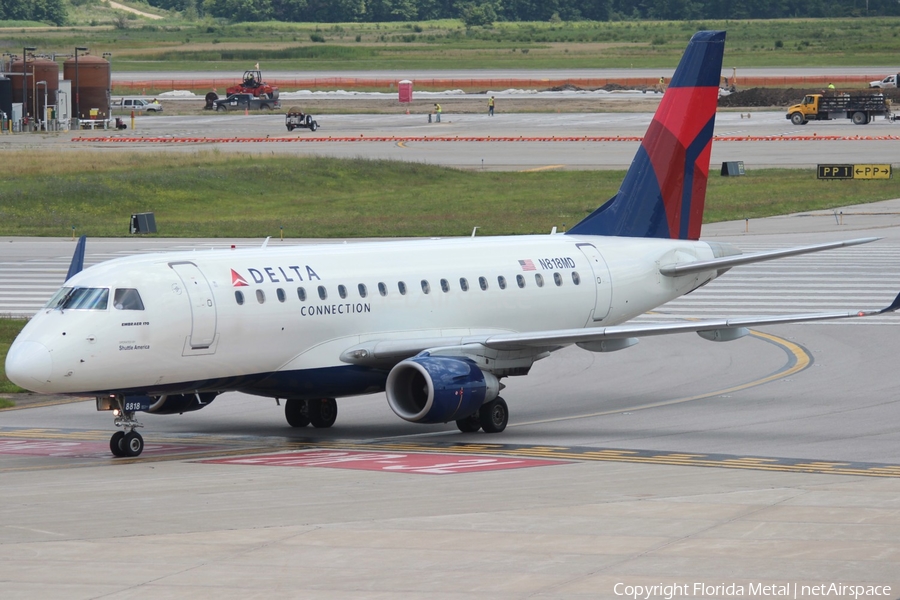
column 438, row 389
column 181, row 403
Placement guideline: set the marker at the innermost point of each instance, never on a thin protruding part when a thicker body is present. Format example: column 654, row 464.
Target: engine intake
column 438, row 389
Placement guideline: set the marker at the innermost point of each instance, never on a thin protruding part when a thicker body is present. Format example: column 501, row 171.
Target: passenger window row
column 363, row 291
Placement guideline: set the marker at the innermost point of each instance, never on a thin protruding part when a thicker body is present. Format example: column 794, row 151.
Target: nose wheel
column 129, row 444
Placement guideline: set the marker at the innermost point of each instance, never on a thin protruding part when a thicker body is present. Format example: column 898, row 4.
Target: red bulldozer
column 253, row 84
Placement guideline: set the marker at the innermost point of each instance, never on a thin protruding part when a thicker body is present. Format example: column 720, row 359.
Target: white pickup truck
column 888, row 82
column 136, row 104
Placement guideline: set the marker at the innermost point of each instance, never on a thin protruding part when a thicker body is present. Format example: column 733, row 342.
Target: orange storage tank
column 94, row 84
column 36, row 70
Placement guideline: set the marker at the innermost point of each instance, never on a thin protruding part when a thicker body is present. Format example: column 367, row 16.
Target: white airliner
column 435, row 323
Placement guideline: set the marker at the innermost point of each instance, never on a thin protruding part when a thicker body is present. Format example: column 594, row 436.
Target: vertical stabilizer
column 663, row 192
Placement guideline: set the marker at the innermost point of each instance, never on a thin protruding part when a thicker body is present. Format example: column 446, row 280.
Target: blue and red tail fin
column 663, row 193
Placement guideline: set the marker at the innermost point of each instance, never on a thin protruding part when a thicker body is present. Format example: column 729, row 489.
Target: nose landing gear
column 128, row 442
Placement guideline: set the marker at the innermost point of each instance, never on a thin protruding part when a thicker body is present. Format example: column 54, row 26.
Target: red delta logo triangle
column 237, row 280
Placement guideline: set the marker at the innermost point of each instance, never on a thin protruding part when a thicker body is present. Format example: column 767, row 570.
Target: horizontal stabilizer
column 726, row 262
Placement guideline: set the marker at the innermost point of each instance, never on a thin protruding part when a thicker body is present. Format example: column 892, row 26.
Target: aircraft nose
column 28, row 364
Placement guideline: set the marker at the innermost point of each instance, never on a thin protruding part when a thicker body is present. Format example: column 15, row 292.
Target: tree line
column 477, row 12
column 47, row 11
column 485, row 12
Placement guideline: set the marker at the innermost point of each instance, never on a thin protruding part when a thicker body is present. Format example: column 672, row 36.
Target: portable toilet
column 405, row 90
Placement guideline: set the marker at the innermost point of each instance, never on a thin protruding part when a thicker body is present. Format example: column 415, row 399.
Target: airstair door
column 203, row 305
column 602, row 283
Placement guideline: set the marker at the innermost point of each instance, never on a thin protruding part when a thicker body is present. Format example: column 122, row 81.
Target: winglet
column 77, row 263
column 663, row 193
column 894, row 306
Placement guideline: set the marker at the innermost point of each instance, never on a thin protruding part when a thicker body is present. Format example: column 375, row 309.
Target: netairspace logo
column 774, row 590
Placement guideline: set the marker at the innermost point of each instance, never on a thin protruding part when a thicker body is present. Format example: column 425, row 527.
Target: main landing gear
column 492, row 417
column 321, row 413
column 128, row 442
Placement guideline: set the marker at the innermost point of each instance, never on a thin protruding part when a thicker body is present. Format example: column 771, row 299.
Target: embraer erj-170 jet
column 436, row 324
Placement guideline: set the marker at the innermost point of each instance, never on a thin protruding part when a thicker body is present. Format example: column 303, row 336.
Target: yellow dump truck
column 861, row 107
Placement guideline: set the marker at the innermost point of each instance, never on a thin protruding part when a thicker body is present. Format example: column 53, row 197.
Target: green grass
column 9, row 329
column 178, row 44
column 224, row 195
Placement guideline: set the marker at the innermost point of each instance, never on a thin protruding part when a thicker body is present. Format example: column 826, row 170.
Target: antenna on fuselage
column 77, row 264
column 474, row 229
column 266, row 243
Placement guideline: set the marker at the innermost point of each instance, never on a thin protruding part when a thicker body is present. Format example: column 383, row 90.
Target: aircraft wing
column 389, row 352
column 725, row 328
column 726, row 262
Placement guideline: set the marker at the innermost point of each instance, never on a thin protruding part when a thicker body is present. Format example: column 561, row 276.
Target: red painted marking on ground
column 391, row 462
column 74, row 449
column 411, row 139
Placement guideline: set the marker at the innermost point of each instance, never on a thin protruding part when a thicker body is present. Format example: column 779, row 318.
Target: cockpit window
column 128, row 299
column 80, row 299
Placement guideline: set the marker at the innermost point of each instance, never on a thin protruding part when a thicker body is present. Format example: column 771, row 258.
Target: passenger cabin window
column 342, row 291
column 445, row 286
column 260, row 296
column 382, row 289
column 301, row 294
column 127, row 299
column 363, row 292
column 400, row 286
column 483, row 283
column 501, row 281
column 520, row 280
column 557, row 279
column 281, row 295
column 80, row 299
column 464, row 284
column 576, row 278
column 323, row 293
column 426, row 288
column 239, row 296
column 539, row 279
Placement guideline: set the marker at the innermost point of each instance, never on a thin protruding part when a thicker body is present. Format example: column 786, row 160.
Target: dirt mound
column 765, row 97
column 566, row 87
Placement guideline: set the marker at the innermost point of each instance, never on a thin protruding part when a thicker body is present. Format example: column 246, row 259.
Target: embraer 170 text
column 436, row 324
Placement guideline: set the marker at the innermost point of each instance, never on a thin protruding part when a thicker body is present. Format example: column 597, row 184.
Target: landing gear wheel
column 132, row 444
column 797, row 119
column 494, row 415
column 115, row 443
column 296, row 412
column 470, row 424
column 323, row 412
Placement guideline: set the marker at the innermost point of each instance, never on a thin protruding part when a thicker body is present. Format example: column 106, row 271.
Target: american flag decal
column 527, row 265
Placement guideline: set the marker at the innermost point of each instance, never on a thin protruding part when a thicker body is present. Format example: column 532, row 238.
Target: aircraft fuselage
column 274, row 321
